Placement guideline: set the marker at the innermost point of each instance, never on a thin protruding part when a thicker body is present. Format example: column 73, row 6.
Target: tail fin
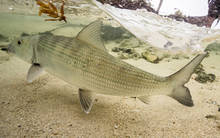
column 178, row 79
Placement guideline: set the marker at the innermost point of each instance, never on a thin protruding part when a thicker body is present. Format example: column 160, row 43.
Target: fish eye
column 19, row 42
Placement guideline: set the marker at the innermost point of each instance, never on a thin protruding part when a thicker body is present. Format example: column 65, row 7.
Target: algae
column 202, row 76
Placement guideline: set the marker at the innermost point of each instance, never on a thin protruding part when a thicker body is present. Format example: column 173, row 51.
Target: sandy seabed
column 49, row 107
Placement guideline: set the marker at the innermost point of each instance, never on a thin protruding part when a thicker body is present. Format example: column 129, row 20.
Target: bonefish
column 83, row 61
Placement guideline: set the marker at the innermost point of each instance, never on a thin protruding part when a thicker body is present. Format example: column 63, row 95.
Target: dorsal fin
column 91, row 34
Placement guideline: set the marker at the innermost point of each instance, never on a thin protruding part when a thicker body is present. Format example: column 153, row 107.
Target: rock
column 128, row 56
column 55, row 133
column 124, row 50
column 126, row 53
column 211, row 77
column 116, row 49
column 155, row 55
column 199, row 69
column 128, row 50
column 204, row 78
column 210, row 117
column 136, row 56
column 168, row 44
column 150, row 57
column 116, row 126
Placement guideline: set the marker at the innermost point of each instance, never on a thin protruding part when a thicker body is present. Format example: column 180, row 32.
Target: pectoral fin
column 34, row 71
column 86, row 98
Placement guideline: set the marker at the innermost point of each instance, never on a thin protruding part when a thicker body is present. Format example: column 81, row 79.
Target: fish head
column 23, row 47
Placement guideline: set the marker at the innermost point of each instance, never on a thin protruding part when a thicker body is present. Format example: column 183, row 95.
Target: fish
column 84, row 61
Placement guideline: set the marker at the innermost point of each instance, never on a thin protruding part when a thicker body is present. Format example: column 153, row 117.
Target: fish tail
column 179, row 92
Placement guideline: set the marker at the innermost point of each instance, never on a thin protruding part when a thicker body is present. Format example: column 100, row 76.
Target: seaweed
column 202, row 76
column 51, row 10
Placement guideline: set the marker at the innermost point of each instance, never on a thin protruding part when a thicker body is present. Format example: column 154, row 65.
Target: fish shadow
column 67, row 102
column 45, row 96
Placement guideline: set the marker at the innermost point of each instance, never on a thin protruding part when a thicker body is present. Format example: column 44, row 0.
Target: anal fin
column 34, row 71
column 86, row 98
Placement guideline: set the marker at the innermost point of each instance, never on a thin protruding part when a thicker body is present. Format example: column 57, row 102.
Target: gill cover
column 23, row 47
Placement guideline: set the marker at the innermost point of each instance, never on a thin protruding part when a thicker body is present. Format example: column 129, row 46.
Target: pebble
column 150, row 57
column 116, row 126
column 209, row 116
column 204, row 78
column 55, row 133
column 126, row 53
column 168, row 44
column 124, row 50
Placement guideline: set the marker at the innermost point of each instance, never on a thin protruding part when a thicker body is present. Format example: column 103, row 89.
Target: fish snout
column 9, row 49
column 5, row 47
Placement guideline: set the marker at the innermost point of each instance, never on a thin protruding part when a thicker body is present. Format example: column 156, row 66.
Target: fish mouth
column 4, row 46
column 4, row 49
